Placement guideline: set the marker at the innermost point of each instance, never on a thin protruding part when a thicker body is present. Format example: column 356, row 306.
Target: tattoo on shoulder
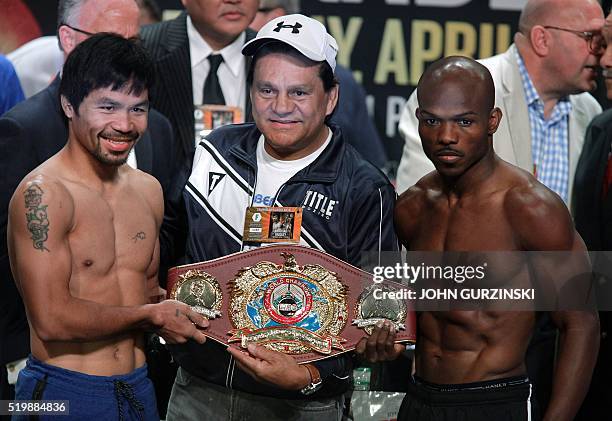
column 36, row 217
column 139, row 236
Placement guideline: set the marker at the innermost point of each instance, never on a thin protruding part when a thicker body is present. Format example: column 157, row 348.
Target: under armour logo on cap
column 281, row 25
column 305, row 34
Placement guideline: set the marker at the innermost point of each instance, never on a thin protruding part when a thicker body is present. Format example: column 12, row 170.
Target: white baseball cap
column 305, row 34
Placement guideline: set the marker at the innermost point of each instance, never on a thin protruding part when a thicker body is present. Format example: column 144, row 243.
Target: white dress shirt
column 232, row 73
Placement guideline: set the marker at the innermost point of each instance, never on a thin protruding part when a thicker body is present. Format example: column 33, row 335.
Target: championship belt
column 291, row 299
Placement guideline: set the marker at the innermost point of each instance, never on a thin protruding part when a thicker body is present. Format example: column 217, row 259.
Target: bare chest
column 475, row 236
column 464, row 227
column 112, row 233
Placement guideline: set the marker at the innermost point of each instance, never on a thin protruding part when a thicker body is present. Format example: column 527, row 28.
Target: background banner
column 387, row 43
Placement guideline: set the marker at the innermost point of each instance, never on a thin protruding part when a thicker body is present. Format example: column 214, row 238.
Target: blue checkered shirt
column 549, row 138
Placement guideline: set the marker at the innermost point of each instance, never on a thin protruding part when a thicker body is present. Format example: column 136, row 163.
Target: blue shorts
column 124, row 397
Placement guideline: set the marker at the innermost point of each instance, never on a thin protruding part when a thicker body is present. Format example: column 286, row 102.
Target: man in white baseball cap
column 293, row 158
column 305, row 34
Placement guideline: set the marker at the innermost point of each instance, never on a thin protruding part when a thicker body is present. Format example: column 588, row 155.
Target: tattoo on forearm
column 36, row 217
column 139, row 236
column 178, row 313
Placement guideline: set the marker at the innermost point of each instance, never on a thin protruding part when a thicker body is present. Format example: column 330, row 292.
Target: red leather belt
column 293, row 299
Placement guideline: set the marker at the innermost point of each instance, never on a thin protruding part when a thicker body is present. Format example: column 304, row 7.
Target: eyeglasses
column 77, row 29
column 595, row 40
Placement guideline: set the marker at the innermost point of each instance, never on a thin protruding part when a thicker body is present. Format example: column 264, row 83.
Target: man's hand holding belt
column 380, row 345
column 274, row 367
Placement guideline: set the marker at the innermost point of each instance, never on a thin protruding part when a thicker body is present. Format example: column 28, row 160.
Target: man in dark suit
column 184, row 51
column 36, row 129
column 592, row 210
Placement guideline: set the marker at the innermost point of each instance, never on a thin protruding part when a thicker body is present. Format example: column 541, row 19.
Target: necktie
column 212, row 89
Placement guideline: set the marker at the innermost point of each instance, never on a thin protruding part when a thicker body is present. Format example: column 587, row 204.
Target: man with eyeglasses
column 541, row 84
column 592, row 202
column 36, row 129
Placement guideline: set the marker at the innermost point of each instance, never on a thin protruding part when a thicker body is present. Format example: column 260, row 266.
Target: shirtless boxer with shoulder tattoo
column 83, row 244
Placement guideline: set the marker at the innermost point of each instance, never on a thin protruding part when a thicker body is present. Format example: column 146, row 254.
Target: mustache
column 232, row 9
column 121, row 137
column 448, row 151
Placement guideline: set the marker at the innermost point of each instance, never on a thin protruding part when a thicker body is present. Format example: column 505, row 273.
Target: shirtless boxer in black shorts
column 469, row 365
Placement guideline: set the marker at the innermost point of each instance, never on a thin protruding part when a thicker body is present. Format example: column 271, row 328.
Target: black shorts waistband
column 486, row 385
column 506, row 390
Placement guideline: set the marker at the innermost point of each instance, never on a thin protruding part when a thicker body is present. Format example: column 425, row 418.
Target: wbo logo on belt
column 310, row 311
column 288, row 308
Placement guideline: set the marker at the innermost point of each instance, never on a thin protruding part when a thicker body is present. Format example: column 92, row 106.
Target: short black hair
column 106, row 60
column 325, row 71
